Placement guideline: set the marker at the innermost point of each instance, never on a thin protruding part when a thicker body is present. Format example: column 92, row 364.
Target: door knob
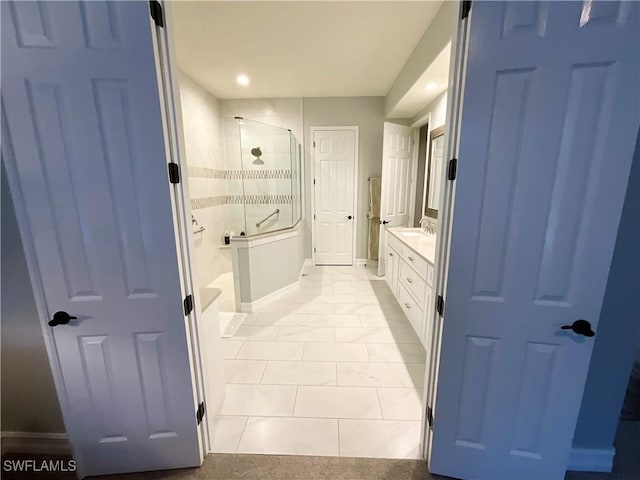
column 60, row 318
column 581, row 327
column 349, row 217
column 384, row 222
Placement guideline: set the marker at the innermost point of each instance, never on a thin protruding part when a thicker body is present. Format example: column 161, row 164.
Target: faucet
column 193, row 220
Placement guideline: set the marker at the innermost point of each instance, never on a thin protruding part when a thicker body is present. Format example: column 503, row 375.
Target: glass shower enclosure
column 263, row 179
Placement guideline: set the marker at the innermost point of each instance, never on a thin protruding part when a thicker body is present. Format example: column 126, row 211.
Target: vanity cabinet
column 410, row 278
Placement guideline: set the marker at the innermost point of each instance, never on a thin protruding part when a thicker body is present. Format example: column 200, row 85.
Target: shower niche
column 263, row 177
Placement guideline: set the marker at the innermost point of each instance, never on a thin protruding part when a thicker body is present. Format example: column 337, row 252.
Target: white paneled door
column 334, row 196
column 394, row 195
column 82, row 138
column 549, row 122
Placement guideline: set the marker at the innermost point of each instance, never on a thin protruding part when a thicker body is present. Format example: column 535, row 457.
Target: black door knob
column 349, row 217
column 384, row 222
column 60, row 318
column 581, row 327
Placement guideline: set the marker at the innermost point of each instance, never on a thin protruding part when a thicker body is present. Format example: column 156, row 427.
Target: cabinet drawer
column 430, row 274
column 412, row 281
column 412, row 310
column 415, row 261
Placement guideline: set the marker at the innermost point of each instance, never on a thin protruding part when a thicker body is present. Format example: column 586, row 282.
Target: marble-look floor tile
column 396, row 352
column 379, row 438
column 271, row 351
column 333, row 320
column 244, row 371
column 227, row 433
column 280, row 319
column 342, row 352
column 259, row 400
column 377, row 321
column 300, row 373
column 290, row 436
column 400, row 403
column 376, row 335
column 230, row 348
column 337, row 402
column 381, row 374
column 306, row 334
column 255, row 332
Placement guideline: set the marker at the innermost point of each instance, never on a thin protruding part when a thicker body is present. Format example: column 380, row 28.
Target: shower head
column 257, row 152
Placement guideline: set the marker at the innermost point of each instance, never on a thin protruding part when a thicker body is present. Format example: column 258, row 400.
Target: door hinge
column 156, row 12
column 314, row 181
column 314, row 144
column 430, row 417
column 452, row 170
column 314, row 249
column 200, row 412
column 174, row 172
column 314, row 216
column 188, row 304
column 466, row 7
column 440, row 305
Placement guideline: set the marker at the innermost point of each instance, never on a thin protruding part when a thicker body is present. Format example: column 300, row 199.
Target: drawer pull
column 409, row 280
column 410, row 258
column 407, row 305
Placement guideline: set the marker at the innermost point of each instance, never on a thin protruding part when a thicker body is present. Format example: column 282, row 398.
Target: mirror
column 434, row 171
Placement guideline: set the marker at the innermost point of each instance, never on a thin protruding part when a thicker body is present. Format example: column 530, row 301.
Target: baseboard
column 248, row 307
column 35, row 443
column 591, row 459
column 363, row 262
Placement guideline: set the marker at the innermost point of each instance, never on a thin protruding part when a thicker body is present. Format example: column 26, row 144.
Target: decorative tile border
column 206, row 172
column 258, row 174
column 259, row 199
column 206, row 202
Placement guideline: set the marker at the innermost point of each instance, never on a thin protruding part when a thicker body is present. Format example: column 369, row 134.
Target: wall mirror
column 434, row 172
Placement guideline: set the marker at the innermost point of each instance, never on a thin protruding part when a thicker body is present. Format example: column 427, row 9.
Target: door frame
column 174, row 152
column 455, row 94
column 312, row 188
column 171, row 109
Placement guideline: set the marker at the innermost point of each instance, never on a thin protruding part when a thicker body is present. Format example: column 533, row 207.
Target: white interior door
column 83, row 142
column 549, row 120
column 334, row 159
column 395, row 197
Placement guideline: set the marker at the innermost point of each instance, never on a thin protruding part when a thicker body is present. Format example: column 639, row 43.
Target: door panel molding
column 312, row 186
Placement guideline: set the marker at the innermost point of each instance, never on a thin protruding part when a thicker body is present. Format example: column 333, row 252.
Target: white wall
column 29, row 401
column 204, row 151
column 440, row 32
column 367, row 113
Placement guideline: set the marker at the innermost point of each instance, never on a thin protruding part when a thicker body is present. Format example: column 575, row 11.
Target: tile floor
column 330, row 369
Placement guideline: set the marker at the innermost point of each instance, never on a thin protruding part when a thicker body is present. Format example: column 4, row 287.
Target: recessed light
column 242, row 80
column 431, row 86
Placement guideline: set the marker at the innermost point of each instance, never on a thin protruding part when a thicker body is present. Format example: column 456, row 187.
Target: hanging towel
column 375, row 184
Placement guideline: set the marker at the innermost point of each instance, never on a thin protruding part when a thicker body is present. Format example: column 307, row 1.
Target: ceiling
column 298, row 49
column 418, row 97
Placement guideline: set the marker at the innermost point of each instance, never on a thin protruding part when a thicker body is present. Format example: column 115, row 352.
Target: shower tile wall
column 204, row 146
column 264, row 179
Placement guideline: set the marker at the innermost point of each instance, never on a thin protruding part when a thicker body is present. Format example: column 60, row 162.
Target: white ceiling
column 298, row 49
column 417, row 97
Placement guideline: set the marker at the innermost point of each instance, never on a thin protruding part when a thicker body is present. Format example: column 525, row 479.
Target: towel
column 375, row 184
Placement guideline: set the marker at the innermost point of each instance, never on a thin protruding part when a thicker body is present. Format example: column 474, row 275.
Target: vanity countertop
column 422, row 243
